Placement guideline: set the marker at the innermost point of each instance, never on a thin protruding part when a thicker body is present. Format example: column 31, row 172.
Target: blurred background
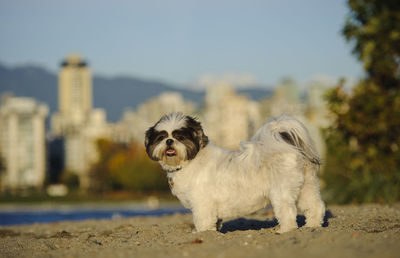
column 81, row 81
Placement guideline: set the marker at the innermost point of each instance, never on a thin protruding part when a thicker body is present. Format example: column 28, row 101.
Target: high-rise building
column 76, row 121
column 228, row 117
column 22, row 143
column 285, row 100
column 74, row 95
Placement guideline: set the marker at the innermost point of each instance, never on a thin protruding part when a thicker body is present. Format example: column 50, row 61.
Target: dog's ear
column 197, row 131
column 149, row 143
column 148, row 134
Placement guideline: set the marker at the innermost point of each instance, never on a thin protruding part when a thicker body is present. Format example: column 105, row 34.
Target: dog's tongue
column 171, row 151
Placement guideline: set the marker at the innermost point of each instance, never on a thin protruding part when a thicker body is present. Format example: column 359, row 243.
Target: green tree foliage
column 125, row 167
column 70, row 179
column 363, row 161
column 374, row 28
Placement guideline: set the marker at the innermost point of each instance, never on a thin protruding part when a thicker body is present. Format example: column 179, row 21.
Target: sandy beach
column 349, row 231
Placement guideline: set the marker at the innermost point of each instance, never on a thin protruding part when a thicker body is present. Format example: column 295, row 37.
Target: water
column 26, row 215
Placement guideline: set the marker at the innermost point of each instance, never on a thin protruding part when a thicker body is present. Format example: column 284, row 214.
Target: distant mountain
column 113, row 94
column 30, row 81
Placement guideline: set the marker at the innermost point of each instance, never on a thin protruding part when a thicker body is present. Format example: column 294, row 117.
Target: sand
column 349, row 231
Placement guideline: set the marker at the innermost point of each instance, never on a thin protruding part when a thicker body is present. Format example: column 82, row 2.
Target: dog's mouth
column 170, row 152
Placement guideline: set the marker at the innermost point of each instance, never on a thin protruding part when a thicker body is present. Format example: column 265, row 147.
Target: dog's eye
column 160, row 138
column 180, row 138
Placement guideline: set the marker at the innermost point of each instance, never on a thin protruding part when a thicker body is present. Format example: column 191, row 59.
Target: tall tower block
column 74, row 95
column 22, row 143
column 76, row 122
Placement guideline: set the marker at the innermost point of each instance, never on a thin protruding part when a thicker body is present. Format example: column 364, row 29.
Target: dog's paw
column 313, row 224
column 281, row 230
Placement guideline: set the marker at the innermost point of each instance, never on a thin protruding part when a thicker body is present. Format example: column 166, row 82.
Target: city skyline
column 228, row 116
column 187, row 43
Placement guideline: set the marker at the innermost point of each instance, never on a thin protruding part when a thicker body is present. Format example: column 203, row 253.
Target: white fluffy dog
column 278, row 166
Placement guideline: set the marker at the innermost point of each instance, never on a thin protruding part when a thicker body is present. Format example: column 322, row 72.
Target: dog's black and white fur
column 278, row 166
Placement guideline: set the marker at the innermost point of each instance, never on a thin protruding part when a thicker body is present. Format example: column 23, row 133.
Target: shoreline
column 370, row 230
column 46, row 206
column 11, row 215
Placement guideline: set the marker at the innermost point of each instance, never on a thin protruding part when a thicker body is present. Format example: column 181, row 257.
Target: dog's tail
column 288, row 130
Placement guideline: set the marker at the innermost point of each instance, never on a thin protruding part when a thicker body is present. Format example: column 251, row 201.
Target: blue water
column 16, row 217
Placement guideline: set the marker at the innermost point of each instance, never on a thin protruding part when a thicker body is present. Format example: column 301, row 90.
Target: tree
column 374, row 27
column 363, row 162
column 125, row 167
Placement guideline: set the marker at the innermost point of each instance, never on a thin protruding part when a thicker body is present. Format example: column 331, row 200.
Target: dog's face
column 175, row 138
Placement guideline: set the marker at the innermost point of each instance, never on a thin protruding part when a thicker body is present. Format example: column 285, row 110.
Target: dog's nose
column 170, row 142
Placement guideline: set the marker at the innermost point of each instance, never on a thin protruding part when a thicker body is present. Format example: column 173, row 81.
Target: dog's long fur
column 278, row 166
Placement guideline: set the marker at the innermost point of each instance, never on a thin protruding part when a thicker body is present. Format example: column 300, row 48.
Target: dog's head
column 175, row 138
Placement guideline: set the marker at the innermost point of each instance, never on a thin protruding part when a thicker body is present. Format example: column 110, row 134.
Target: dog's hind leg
column 310, row 201
column 285, row 187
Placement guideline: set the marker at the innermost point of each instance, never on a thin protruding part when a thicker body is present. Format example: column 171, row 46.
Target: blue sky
column 183, row 41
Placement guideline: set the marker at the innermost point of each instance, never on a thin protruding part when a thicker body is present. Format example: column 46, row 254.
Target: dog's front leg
column 204, row 218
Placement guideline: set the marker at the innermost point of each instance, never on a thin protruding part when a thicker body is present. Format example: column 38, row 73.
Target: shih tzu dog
column 278, row 166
